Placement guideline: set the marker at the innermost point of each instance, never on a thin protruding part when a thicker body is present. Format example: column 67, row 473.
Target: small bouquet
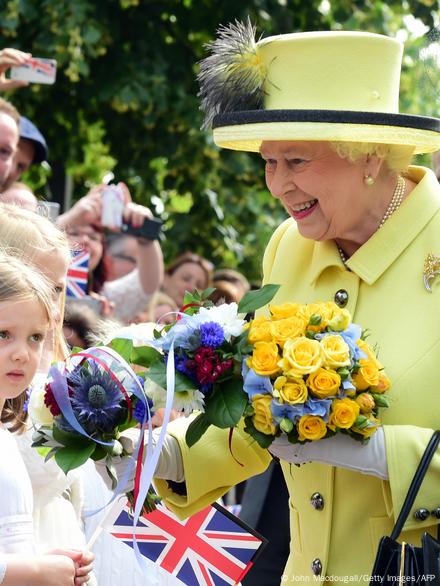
column 311, row 374
column 305, row 371
column 86, row 404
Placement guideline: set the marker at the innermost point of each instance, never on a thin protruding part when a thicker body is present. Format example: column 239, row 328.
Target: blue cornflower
column 140, row 409
column 212, row 334
column 96, row 400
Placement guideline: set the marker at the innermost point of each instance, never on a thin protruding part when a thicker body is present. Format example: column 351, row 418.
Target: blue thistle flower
column 212, row 334
column 96, row 400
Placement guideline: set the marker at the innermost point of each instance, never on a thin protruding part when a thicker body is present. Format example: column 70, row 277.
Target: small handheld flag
column 211, row 548
column 78, row 274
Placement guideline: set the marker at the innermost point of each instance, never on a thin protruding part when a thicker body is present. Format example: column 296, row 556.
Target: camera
column 150, row 229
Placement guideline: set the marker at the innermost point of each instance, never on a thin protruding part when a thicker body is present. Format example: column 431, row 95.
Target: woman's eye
column 58, row 290
column 296, row 161
column 3, row 335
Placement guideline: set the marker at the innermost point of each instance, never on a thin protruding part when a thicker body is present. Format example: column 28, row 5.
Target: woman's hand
column 106, row 307
column 83, row 563
column 87, row 210
column 11, row 58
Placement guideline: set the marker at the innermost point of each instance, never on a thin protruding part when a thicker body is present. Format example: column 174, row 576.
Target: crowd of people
column 362, row 220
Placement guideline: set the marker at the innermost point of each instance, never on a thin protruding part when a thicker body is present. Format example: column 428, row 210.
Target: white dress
column 16, row 526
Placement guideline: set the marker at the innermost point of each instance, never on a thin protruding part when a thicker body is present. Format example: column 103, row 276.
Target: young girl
column 25, row 319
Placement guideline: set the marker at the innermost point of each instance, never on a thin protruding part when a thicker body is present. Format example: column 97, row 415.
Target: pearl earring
column 368, row 180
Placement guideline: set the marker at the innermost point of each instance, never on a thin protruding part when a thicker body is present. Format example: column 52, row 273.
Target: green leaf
column 145, row 356
column 196, row 429
column 262, row 439
column 66, row 438
column 71, row 457
column 122, row 346
column 255, row 299
column 158, row 374
column 227, row 404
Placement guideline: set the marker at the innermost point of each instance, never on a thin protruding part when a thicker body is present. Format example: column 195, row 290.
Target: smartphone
column 36, row 70
column 150, row 229
column 112, row 206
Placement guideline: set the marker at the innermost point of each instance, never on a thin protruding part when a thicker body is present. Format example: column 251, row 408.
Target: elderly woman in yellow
column 321, row 108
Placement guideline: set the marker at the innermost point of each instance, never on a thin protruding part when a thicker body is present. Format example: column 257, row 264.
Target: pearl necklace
column 395, row 203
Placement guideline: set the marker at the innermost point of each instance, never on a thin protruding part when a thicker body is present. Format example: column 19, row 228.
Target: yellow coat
column 386, row 295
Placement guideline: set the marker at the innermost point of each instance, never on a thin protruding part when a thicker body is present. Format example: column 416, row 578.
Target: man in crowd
column 32, row 149
column 9, row 120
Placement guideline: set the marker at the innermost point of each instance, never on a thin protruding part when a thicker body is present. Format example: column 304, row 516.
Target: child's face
column 23, row 328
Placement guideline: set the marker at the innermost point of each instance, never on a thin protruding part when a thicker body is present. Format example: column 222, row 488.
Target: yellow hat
column 330, row 86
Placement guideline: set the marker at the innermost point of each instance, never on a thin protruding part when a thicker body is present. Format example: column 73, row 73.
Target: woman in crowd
column 321, row 108
column 84, row 228
column 187, row 272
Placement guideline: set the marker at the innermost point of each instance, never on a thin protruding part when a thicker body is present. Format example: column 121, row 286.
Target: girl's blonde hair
column 396, row 157
column 20, row 281
column 25, row 234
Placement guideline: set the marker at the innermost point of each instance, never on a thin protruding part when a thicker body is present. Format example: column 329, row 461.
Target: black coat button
column 341, row 298
column 317, row 567
column 317, row 501
column 436, row 513
column 421, row 514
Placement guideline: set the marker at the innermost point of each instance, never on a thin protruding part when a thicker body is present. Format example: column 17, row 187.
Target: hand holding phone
column 113, row 203
column 35, row 70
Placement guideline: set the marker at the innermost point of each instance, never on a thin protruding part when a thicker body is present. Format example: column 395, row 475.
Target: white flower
column 38, row 412
column 156, row 393
column 226, row 315
column 188, row 401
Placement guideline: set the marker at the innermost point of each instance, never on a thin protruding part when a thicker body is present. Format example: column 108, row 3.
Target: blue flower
column 140, row 409
column 320, row 407
column 255, row 384
column 283, row 411
column 212, row 334
column 96, row 400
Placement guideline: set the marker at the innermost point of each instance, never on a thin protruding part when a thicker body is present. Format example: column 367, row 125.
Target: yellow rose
column 335, row 351
column 290, row 391
column 38, row 412
column 264, row 359
column 343, row 413
column 311, row 427
column 362, row 344
column 284, row 310
column 369, row 429
column 367, row 375
column 383, row 385
column 340, row 320
column 259, row 330
column 366, row 403
column 262, row 418
column 324, row 310
column 300, row 356
column 290, row 327
column 324, row 383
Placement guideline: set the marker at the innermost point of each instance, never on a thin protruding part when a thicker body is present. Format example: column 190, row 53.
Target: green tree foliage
column 125, row 100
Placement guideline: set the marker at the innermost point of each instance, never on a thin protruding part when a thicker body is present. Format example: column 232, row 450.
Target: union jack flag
column 77, row 274
column 211, row 548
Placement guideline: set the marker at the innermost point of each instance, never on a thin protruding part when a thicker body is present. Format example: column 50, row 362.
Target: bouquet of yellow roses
column 311, row 374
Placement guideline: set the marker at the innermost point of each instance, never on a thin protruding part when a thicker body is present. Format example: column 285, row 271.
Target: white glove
column 169, row 466
column 339, row 450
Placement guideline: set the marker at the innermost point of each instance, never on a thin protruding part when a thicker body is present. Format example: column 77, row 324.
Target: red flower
column 50, row 402
column 207, row 365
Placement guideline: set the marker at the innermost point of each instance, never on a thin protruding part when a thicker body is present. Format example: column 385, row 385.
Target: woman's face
column 186, row 277
column 323, row 192
column 87, row 238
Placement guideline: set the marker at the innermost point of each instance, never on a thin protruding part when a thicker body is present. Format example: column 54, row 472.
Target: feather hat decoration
column 233, row 76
